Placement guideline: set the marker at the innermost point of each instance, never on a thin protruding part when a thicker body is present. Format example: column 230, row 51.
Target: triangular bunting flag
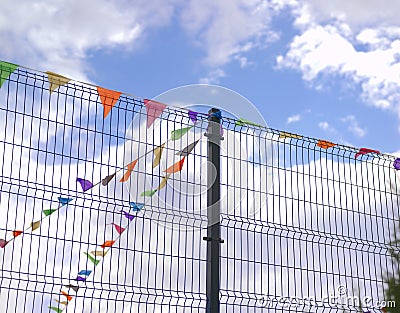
column 154, row 110
column 85, row 272
column 178, row 134
column 365, row 151
column 94, row 261
column 107, row 179
column 58, row 310
column 56, row 80
column 289, row 135
column 6, row 69
column 157, row 155
column 69, row 298
column 108, row 243
column 49, row 211
column 148, row 193
column 396, row 164
column 85, row 184
column 80, row 278
column 325, row 144
column 99, row 253
column 177, row 167
column 136, row 207
column 16, row 233
column 73, row 287
column 193, row 116
column 64, row 201
column 163, row 182
column 128, row 172
column 128, row 216
column 118, row 228
column 242, row 122
column 35, row 225
column 61, row 302
column 186, row 151
column 108, row 98
column 3, row 243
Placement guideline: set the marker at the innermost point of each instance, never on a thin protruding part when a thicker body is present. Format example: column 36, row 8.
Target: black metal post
column 213, row 211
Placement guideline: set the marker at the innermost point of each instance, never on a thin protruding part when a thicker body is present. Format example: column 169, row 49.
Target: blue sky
column 325, row 71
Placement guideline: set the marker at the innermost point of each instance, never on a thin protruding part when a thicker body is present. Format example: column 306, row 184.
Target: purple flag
column 128, row 216
column 193, row 116
column 396, row 164
column 79, row 278
column 85, row 184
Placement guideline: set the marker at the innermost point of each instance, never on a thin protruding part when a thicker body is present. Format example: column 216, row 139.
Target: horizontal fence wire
column 104, row 204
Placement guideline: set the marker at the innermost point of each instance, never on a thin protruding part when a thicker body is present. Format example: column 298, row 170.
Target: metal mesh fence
column 104, row 209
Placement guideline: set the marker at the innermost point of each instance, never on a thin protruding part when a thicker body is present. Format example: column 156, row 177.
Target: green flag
column 58, row 310
column 177, row 134
column 95, row 261
column 49, row 212
column 148, row 193
column 5, row 71
column 242, row 122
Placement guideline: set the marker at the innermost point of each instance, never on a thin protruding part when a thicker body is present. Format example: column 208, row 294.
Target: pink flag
column 118, row 228
column 154, row 110
column 3, row 243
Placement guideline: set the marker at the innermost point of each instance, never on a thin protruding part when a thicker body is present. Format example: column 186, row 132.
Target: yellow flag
column 163, row 182
column 157, row 155
column 289, row 135
column 98, row 253
column 56, row 80
column 61, row 302
column 35, row 225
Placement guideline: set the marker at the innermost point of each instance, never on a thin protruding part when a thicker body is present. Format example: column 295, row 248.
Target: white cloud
column 60, row 35
column 293, row 118
column 354, row 127
column 228, row 30
column 213, row 77
column 324, row 125
column 352, row 40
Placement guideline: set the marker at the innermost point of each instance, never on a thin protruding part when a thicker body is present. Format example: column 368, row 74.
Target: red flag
column 365, row 151
column 16, row 233
column 108, row 98
column 177, row 167
column 129, row 170
column 154, row 110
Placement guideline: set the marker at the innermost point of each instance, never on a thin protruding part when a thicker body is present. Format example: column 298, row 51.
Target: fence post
column 213, row 210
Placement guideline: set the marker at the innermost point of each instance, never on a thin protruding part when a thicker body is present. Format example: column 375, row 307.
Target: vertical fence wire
column 299, row 221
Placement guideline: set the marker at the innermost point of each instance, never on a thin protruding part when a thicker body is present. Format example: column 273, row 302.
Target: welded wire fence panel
column 104, row 209
column 309, row 226
column 83, row 229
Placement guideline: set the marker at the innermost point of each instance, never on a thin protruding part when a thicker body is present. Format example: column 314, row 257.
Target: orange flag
column 108, row 98
column 129, row 170
column 177, row 167
column 16, row 233
column 108, row 243
column 154, row 110
column 325, row 144
column 69, row 298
